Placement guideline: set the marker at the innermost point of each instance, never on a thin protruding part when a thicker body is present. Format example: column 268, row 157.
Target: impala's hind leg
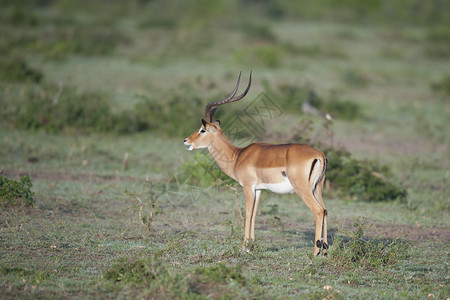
column 318, row 195
column 309, row 189
column 319, row 212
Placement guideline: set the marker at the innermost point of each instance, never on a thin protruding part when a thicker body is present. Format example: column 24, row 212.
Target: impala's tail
column 318, row 169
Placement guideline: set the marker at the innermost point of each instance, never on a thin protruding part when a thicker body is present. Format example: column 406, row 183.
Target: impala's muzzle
column 188, row 145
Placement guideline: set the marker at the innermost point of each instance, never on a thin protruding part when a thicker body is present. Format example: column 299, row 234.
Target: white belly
column 279, row 188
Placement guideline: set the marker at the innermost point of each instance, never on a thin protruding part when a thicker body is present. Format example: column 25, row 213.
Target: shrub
column 14, row 192
column 89, row 41
column 438, row 42
column 362, row 180
column 292, row 97
column 136, row 270
column 19, row 16
column 355, row 78
column 220, row 273
column 442, row 85
column 17, row 69
column 151, row 273
column 256, row 31
column 54, row 111
column 269, row 56
column 352, row 249
column 202, row 170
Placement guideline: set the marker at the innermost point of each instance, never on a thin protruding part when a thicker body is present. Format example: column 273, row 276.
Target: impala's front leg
column 255, row 210
column 250, row 205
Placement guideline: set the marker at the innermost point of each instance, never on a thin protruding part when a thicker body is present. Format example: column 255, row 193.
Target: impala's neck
column 224, row 153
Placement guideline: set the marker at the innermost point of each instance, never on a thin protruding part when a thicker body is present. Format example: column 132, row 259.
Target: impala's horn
column 211, row 107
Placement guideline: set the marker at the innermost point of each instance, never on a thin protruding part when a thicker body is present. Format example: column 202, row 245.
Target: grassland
column 88, row 235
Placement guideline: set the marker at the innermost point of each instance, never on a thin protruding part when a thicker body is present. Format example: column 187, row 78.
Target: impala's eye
column 202, row 131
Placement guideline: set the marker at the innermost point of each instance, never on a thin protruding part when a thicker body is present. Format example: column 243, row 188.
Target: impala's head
column 203, row 137
column 209, row 129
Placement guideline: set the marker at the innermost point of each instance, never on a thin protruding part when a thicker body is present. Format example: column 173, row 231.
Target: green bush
column 14, row 192
column 362, row 180
column 269, row 56
column 16, row 69
column 220, row 273
column 442, row 86
column 59, row 110
column 355, row 78
column 438, row 42
column 19, row 16
column 155, row 279
column 89, row 41
column 352, row 248
column 136, row 270
column 202, row 170
column 62, row 39
column 291, row 97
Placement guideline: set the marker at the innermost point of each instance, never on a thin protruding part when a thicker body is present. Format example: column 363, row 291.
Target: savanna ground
column 96, row 100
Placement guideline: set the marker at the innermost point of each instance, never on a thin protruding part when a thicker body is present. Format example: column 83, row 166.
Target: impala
column 284, row 168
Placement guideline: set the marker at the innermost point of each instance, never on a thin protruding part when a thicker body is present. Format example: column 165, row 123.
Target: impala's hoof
column 246, row 250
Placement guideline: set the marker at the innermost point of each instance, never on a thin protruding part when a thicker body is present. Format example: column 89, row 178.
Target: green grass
column 381, row 65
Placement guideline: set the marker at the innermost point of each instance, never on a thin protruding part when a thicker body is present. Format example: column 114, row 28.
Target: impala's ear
column 204, row 122
column 218, row 122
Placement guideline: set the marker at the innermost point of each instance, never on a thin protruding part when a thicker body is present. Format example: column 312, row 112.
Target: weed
column 13, row 192
column 147, row 207
column 15, row 69
column 352, row 248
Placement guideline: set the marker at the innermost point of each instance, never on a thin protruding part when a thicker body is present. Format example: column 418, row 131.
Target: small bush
column 55, row 111
column 17, row 70
column 220, row 273
column 202, row 170
column 257, row 31
column 352, row 249
column 159, row 22
column 152, row 274
column 136, row 270
column 19, row 16
column 82, row 41
column 438, row 42
column 14, row 192
column 362, row 180
column 264, row 55
column 355, row 78
column 442, row 86
column 292, row 97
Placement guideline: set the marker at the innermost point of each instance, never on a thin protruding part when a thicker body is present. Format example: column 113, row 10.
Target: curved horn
column 211, row 107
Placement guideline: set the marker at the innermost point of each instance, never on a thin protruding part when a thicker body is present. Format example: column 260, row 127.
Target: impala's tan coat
column 282, row 168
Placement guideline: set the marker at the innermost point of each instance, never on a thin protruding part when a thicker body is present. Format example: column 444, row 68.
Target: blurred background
column 97, row 96
column 131, row 66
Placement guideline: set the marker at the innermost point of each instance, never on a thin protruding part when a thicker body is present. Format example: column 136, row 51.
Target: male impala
column 281, row 169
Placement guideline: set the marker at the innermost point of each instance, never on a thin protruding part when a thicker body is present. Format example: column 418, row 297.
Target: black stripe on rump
column 312, row 168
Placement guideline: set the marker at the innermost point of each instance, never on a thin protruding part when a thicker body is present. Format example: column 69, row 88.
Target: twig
column 58, row 94
column 236, row 194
